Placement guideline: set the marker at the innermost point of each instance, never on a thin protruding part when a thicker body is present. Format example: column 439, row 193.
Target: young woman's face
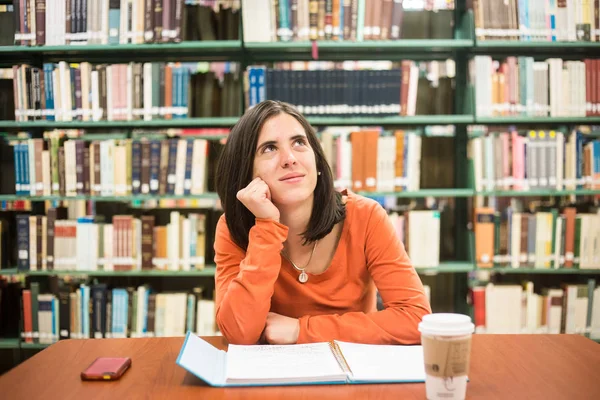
column 285, row 160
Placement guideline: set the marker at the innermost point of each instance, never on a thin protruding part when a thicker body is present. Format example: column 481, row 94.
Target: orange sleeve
column 245, row 280
column 400, row 287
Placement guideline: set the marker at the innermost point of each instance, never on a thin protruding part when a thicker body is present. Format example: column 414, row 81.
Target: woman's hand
column 257, row 198
column 280, row 329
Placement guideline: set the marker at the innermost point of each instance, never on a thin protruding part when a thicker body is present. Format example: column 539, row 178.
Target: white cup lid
column 446, row 324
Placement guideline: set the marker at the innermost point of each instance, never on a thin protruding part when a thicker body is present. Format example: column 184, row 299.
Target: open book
column 301, row 364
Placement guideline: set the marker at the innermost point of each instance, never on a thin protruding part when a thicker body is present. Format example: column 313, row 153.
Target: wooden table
column 502, row 367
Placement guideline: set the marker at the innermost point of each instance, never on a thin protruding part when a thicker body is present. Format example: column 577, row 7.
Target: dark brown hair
column 236, row 164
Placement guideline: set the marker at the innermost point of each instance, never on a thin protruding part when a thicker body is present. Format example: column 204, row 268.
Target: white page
column 379, row 363
column 283, row 363
column 203, row 360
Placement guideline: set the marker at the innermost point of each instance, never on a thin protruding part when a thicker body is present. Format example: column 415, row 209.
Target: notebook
column 332, row 362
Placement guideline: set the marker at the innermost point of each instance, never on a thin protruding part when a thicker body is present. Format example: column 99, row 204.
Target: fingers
column 257, row 189
column 242, row 193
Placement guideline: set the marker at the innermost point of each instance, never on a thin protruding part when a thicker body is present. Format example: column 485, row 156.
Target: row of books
column 353, row 20
column 99, row 311
column 53, row 243
column 534, row 159
column 356, row 88
column 550, row 21
column 82, row 22
column 373, row 160
column 516, row 86
column 547, row 238
column 518, row 309
column 368, row 159
column 522, row 86
column 55, row 166
column 419, row 231
column 125, row 92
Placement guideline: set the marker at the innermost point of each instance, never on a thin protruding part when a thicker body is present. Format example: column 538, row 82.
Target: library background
column 476, row 124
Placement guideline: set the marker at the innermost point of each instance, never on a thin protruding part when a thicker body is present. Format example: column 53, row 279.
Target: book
column 331, row 362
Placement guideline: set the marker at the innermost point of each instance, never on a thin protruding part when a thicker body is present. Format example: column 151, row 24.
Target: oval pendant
column 303, row 277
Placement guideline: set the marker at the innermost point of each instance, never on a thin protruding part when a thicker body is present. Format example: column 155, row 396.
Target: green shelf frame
column 394, row 120
column 538, row 192
column 13, row 197
column 9, row 272
column 34, row 346
column 417, row 120
column 539, row 121
column 159, row 123
column 218, row 50
column 541, row 271
column 214, row 196
column 447, row 267
column 208, row 270
column 535, row 48
column 367, row 50
column 9, row 343
column 423, row 193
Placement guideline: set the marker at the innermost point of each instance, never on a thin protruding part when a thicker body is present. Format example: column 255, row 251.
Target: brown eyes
column 271, row 147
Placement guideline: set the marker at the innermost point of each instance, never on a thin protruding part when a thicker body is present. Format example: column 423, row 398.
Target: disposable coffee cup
column 446, row 340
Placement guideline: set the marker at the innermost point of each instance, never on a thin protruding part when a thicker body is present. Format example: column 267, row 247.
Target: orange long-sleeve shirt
column 338, row 304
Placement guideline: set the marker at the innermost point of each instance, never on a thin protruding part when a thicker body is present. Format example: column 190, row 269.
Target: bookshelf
column 423, row 193
column 368, row 50
column 209, row 271
column 568, row 49
column 9, row 343
column 462, row 48
column 212, row 196
column 223, row 50
column 185, row 122
column 536, row 120
column 538, row 192
column 542, row 271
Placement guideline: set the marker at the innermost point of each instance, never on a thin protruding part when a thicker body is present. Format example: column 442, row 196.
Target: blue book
column 253, row 83
column 114, row 21
column 176, row 92
column 341, row 23
column 136, row 167
column 154, row 166
column 25, row 184
column 49, row 89
column 261, row 84
column 17, row 153
column 187, row 180
column 22, row 242
column 322, row 363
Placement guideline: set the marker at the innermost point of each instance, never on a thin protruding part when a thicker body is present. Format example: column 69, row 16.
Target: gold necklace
column 303, row 277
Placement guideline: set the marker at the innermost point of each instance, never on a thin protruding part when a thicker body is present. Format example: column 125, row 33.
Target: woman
column 298, row 262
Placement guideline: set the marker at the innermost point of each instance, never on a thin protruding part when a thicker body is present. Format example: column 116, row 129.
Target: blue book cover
column 22, row 242
column 114, row 21
column 253, row 84
column 25, row 181
column 17, row 154
column 136, row 167
column 171, row 166
column 341, row 23
column 154, row 166
column 49, row 89
column 185, row 91
column 261, row 83
column 187, row 180
column 175, row 92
